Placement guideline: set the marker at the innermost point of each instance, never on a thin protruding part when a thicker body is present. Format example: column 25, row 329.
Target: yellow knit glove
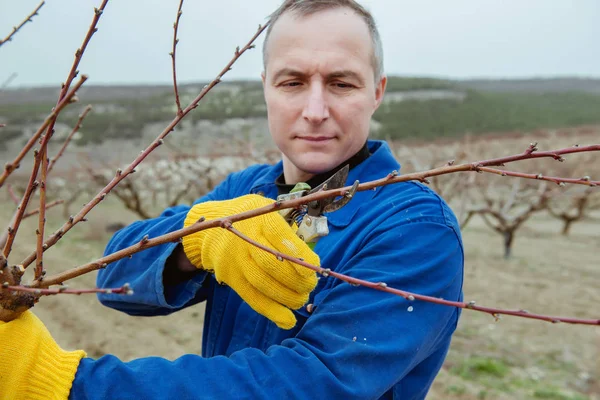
column 271, row 287
column 32, row 365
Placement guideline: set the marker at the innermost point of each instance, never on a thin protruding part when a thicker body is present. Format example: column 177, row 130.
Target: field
column 510, row 359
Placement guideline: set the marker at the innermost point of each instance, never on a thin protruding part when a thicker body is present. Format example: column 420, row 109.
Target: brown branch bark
column 125, row 289
column 173, row 54
column 39, row 261
column 18, row 27
column 12, row 194
column 12, row 304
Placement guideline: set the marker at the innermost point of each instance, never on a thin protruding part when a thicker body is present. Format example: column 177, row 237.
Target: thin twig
column 7, row 81
column 68, row 139
column 48, row 206
column 12, row 194
column 26, row 20
column 173, row 53
column 559, row 181
column 39, row 262
column 121, row 174
column 125, row 289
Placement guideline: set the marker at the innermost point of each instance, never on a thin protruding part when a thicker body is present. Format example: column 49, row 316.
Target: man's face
column 320, row 90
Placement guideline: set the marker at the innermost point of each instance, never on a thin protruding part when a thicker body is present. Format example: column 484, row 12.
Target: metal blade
column 337, row 204
column 337, row 180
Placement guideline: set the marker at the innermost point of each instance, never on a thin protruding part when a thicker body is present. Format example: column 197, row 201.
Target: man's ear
column 380, row 91
column 263, row 78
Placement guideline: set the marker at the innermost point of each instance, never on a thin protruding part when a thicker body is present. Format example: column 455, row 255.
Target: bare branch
column 48, row 206
column 68, row 139
column 175, row 41
column 121, row 174
column 26, row 20
column 7, row 81
column 12, row 194
column 581, row 181
column 125, row 289
column 39, row 267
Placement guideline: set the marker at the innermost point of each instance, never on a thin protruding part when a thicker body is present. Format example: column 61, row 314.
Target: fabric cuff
column 53, row 372
column 191, row 245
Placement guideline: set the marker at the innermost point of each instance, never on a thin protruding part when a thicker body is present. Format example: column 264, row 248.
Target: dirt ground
column 510, row 359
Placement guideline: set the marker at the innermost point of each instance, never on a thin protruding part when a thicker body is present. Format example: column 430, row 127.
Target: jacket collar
column 381, row 163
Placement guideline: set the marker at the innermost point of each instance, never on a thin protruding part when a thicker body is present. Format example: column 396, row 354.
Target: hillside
column 414, row 108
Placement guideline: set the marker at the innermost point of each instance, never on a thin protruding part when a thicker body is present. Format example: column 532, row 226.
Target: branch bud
column 127, row 289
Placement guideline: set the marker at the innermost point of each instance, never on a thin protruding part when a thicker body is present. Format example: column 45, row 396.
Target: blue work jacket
column 354, row 343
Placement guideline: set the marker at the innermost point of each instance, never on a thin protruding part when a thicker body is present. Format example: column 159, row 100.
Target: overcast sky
column 456, row 39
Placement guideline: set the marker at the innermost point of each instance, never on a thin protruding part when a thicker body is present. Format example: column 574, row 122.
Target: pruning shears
column 309, row 218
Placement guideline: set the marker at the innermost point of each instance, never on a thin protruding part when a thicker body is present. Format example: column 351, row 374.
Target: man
column 272, row 330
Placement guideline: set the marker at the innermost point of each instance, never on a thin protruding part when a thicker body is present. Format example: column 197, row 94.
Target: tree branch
column 121, row 174
column 172, row 54
column 17, row 28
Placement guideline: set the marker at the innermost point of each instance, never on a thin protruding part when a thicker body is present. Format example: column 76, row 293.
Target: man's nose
column 316, row 109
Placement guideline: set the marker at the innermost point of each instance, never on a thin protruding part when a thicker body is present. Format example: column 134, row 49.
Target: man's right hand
column 271, row 287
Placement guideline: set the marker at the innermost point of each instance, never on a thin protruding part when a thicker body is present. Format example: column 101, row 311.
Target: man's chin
column 317, row 166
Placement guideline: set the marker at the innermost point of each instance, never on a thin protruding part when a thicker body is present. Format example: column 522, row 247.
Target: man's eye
column 342, row 85
column 291, row 84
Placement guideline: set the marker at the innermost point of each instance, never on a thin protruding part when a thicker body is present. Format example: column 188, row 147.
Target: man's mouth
column 315, row 138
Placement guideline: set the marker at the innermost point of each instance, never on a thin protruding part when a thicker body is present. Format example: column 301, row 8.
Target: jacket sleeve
column 144, row 270
column 356, row 345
